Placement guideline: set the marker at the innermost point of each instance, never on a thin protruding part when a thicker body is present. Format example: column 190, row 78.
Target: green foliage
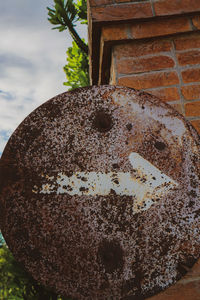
column 81, row 6
column 17, row 284
column 63, row 14
column 76, row 69
column 66, row 14
column 2, row 241
column 13, row 282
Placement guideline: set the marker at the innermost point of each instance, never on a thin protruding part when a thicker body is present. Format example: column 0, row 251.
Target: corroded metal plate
column 99, row 194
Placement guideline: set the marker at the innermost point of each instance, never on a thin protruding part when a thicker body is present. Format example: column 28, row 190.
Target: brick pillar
column 149, row 45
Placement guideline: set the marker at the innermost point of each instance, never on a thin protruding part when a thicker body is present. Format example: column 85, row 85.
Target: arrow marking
column 146, row 183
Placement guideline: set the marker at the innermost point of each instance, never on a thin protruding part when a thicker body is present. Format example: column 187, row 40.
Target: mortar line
column 189, row 49
column 164, row 53
column 193, row 118
column 153, row 8
column 192, row 101
column 147, row 72
column 114, row 3
column 177, row 68
column 197, row 83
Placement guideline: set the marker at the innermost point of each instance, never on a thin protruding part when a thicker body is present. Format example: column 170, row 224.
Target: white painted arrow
column 146, row 183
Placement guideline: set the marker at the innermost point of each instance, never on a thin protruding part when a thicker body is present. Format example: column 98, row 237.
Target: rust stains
column 119, row 242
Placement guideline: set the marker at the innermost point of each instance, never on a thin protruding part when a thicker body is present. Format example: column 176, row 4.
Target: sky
column 32, row 57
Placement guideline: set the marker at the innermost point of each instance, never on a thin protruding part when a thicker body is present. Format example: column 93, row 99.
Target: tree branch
column 63, row 15
column 77, row 39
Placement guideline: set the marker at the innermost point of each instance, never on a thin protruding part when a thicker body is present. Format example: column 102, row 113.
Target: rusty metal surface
column 99, row 194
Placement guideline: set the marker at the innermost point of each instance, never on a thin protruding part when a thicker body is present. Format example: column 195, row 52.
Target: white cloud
column 31, row 60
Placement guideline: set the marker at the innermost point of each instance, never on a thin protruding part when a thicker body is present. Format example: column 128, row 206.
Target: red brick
column 185, row 289
column 180, row 291
column 166, row 94
column 177, row 107
column 138, row 48
column 196, row 21
column 160, row 27
column 192, row 109
column 128, row 66
column 189, row 58
column 121, row 12
column 170, row 7
column 150, row 80
column 100, row 2
column 188, row 42
column 196, row 124
column 124, row 1
column 114, row 32
column 191, row 92
column 191, row 75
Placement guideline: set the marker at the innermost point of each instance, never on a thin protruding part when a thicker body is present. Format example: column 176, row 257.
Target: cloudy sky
column 31, row 60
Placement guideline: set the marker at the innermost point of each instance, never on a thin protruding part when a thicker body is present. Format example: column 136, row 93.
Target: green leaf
column 77, row 68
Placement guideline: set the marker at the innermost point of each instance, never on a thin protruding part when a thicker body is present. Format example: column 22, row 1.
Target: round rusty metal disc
column 99, row 194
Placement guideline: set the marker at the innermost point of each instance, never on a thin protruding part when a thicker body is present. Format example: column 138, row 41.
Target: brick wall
column 168, row 68
column 115, row 10
column 108, row 12
column 158, row 53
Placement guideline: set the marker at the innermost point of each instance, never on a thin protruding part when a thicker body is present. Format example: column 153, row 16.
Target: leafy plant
column 2, row 241
column 17, row 284
column 65, row 15
column 77, row 68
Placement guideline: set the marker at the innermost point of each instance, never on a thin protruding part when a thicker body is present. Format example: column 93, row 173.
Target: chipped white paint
column 158, row 113
column 145, row 183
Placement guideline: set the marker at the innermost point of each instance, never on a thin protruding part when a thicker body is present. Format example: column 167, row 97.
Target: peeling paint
column 147, row 184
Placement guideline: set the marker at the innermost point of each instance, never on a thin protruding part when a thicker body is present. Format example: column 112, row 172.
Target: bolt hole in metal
column 102, row 121
column 160, row 146
column 111, row 255
column 129, row 126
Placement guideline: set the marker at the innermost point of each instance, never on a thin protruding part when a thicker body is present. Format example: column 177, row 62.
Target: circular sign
column 99, row 194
